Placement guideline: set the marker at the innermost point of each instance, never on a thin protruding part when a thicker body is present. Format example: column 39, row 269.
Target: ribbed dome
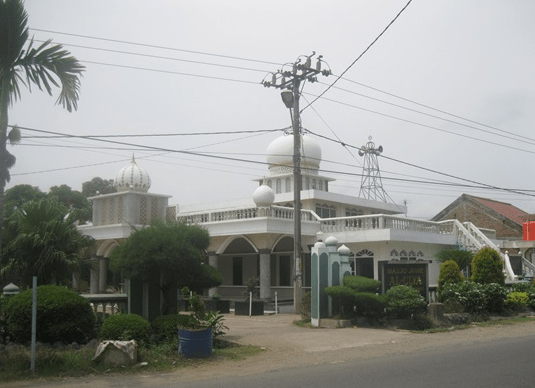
column 331, row 241
column 280, row 152
column 132, row 177
column 264, row 196
column 344, row 251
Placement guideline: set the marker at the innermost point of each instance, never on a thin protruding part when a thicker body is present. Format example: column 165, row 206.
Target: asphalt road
column 505, row 363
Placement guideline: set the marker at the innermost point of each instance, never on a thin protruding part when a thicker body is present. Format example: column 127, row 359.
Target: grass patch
column 51, row 363
column 487, row 323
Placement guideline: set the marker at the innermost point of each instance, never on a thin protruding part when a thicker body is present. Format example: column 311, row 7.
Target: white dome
column 280, row 152
column 264, row 196
column 344, row 251
column 132, row 177
column 331, row 241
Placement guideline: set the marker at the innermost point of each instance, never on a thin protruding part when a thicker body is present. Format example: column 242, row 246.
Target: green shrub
column 405, row 301
column 449, row 273
column 166, row 326
column 495, row 295
column 362, row 284
column 62, row 316
column 470, row 295
column 126, row 327
column 487, row 267
column 522, row 287
column 517, row 301
column 344, row 299
column 370, row 305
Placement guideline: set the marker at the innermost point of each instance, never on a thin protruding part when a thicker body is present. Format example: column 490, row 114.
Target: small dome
column 132, row 177
column 344, row 251
column 280, row 152
column 264, row 196
column 331, row 240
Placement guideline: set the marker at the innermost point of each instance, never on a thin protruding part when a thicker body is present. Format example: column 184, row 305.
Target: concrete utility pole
column 289, row 81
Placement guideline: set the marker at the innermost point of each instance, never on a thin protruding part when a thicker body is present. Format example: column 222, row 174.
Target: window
column 321, row 185
column 325, row 211
column 284, row 271
column 237, row 271
column 288, row 185
column 278, row 190
column 313, row 184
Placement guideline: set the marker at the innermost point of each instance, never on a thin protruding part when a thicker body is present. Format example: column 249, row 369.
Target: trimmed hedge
column 487, row 267
column 449, row 273
column 62, row 316
column 126, row 327
column 362, row 284
column 404, row 302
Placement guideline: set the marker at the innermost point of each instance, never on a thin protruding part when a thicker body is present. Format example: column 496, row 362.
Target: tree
column 487, row 267
column 73, row 200
column 18, row 195
column 449, row 273
column 462, row 258
column 42, row 240
column 97, row 186
column 168, row 255
column 45, row 66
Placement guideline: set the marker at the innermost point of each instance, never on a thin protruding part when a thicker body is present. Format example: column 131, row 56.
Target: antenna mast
column 371, row 186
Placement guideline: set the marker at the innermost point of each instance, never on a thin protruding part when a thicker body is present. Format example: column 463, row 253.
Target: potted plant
column 217, row 304
column 250, row 306
column 196, row 337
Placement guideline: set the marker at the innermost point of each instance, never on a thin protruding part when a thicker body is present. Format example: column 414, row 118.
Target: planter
column 223, row 306
column 195, row 343
column 242, row 308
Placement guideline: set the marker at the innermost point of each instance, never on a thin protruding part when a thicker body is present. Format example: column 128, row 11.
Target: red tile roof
column 505, row 209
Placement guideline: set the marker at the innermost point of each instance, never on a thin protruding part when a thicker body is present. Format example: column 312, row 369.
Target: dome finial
column 133, row 159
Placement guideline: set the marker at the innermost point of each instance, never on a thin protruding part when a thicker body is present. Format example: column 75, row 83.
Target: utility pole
column 289, row 80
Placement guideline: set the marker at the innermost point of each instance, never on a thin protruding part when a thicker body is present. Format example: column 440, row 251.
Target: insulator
column 308, row 62
column 274, row 79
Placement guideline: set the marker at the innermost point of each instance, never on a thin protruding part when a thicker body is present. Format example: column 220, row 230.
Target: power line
column 159, row 57
column 155, row 46
column 360, row 56
column 169, row 72
column 426, row 126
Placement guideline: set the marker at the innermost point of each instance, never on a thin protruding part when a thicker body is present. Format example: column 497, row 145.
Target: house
column 253, row 236
column 504, row 218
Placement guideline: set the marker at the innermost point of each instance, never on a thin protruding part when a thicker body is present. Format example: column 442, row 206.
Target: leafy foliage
column 404, row 301
column 362, row 284
column 449, row 273
column 46, row 66
column 97, row 186
column 72, row 200
column 18, row 195
column 474, row 297
column 42, row 240
column 517, row 301
column 487, row 267
column 126, row 327
column 348, row 301
column 62, row 315
column 462, row 258
column 251, row 287
column 166, row 326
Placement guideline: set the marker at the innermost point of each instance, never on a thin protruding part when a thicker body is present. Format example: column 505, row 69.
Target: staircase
column 471, row 238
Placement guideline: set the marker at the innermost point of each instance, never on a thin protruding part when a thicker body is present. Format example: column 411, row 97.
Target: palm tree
column 46, row 66
column 42, row 240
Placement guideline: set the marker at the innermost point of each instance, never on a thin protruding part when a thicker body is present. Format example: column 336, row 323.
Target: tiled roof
column 505, row 209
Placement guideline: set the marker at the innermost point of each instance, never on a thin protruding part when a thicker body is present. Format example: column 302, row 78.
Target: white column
column 94, row 272
column 212, row 260
column 103, row 275
column 265, row 274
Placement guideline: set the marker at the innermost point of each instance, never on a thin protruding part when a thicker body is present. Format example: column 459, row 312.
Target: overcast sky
column 449, row 87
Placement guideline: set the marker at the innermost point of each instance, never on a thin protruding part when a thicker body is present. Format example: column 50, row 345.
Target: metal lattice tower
column 371, row 186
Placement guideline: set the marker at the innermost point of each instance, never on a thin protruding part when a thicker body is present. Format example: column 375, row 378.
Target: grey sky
column 471, row 58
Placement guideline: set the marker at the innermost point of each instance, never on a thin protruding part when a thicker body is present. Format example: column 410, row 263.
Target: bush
column 468, row 294
column 362, row 284
column 344, row 299
column 166, row 326
column 495, row 295
column 449, row 273
column 405, row 301
column 126, row 327
column 370, row 305
column 62, row 316
column 487, row 267
column 517, row 301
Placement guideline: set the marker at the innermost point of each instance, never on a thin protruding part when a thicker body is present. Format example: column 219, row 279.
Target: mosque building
column 253, row 237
